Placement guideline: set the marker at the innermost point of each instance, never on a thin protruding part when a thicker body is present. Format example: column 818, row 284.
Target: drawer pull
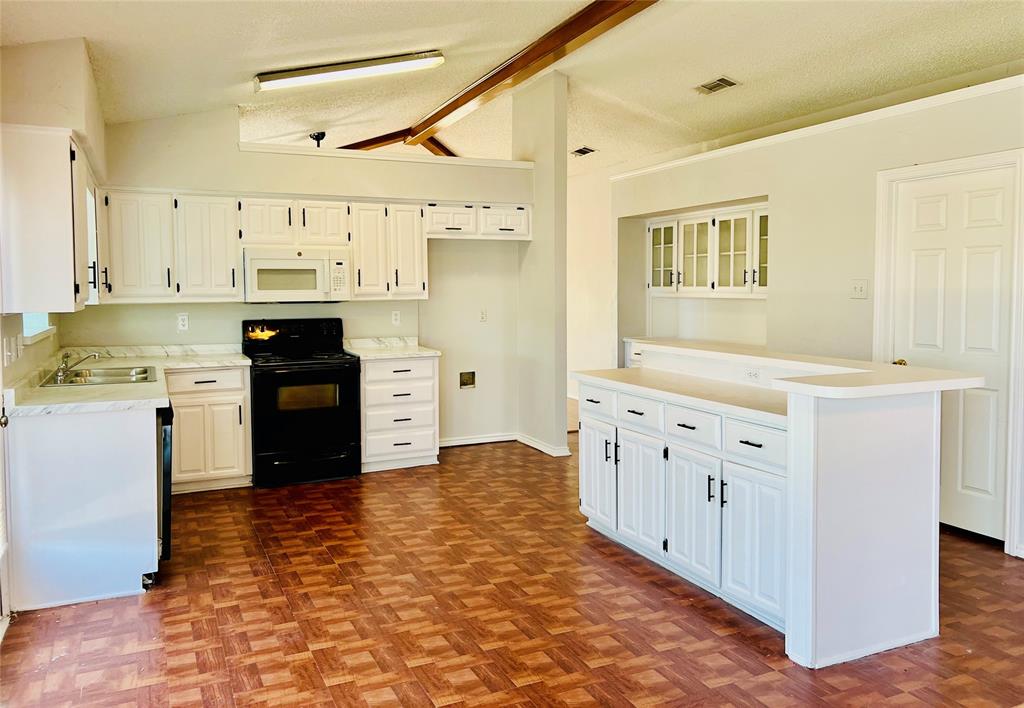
column 402, row 420
column 401, row 371
column 711, row 488
column 401, row 444
column 399, row 395
column 630, row 410
column 752, row 444
column 688, row 427
column 594, row 401
column 205, row 381
column 502, row 228
column 453, row 228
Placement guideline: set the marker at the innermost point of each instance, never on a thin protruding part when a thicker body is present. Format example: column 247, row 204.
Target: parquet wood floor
column 475, row 583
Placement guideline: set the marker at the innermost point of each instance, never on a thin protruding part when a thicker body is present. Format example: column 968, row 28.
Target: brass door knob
column 900, row 362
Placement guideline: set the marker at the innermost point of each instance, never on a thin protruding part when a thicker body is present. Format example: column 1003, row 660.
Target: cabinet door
column 450, row 219
column 80, row 242
column 695, row 245
column 267, row 221
column 733, row 268
column 225, row 441
column 597, row 472
column 370, row 251
column 139, row 247
column 641, row 490
column 324, row 223
column 517, row 221
column 760, row 243
column 407, row 252
column 661, row 257
column 188, row 442
column 693, row 515
column 208, row 252
column 754, row 538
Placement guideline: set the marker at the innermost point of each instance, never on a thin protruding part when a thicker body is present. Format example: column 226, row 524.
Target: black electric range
column 305, row 401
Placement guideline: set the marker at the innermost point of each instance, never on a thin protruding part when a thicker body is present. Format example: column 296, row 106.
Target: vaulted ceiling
column 631, row 90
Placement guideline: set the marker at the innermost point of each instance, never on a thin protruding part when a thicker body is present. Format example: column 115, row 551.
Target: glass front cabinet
column 718, row 253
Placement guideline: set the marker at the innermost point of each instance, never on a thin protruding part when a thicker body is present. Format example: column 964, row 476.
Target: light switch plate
column 859, row 289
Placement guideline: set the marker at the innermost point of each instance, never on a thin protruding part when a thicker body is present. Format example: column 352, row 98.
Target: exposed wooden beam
column 587, row 24
column 437, row 147
column 378, row 141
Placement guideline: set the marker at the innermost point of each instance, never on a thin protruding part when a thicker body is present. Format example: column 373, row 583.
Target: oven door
column 305, row 424
column 274, row 279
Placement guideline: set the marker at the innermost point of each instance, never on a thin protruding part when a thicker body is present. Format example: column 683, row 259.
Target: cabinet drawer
column 390, row 394
column 400, row 418
column 203, row 380
column 640, row 412
column 400, row 443
column 596, row 401
column 694, row 426
column 755, row 442
column 398, row 369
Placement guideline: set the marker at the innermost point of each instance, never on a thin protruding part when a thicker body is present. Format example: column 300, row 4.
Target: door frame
column 883, row 348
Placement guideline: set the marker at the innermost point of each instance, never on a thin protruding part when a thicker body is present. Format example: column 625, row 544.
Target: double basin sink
column 115, row 375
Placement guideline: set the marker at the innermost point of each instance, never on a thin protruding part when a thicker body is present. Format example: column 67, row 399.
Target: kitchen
column 287, row 423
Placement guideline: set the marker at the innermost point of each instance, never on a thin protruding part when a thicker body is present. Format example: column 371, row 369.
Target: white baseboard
column 211, row 485
column 543, row 446
column 477, row 439
column 5, row 622
column 399, row 464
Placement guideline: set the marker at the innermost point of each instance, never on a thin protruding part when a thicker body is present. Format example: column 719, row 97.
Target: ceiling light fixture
column 325, row 73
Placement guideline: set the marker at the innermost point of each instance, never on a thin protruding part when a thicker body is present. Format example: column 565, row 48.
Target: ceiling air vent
column 581, row 151
column 717, row 85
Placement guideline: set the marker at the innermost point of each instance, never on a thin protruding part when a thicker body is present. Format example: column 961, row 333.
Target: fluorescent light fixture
column 345, row 71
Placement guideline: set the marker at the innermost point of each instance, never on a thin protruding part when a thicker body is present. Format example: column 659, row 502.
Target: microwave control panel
column 339, row 278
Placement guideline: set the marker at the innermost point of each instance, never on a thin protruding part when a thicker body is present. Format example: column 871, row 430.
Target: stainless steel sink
column 117, row 375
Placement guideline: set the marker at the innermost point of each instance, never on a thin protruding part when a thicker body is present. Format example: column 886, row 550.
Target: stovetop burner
column 298, row 342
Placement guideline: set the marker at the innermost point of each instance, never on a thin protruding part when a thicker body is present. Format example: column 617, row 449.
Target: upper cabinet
column 137, row 255
column 713, row 254
column 407, row 252
column 504, row 221
column 266, row 221
column 370, row 251
column 324, row 223
column 493, row 222
column 207, row 254
column 450, row 219
column 44, row 235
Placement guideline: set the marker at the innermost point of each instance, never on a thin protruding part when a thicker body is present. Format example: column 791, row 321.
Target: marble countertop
column 769, row 405
column 27, row 398
column 388, row 348
column 827, row 377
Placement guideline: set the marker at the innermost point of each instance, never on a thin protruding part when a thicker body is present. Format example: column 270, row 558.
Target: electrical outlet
column 483, row 315
column 396, row 317
column 859, row 289
column 182, row 321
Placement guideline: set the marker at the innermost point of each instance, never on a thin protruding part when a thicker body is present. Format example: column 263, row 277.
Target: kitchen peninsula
column 802, row 490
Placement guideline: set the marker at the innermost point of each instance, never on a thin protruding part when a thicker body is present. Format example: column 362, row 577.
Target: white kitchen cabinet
column 208, row 255
column 324, row 223
column 694, row 271
column 733, row 248
column 597, row 472
column 399, row 412
column 694, row 519
column 760, row 252
column 137, row 254
column 641, row 490
column 267, row 221
column 211, row 438
column 370, row 251
column 407, row 252
column 44, row 235
column 450, row 219
column 754, row 538
column 504, row 220
column 661, row 257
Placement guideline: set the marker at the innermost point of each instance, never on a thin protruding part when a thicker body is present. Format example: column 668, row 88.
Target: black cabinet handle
column 401, row 371
column 239, row 413
column 232, row 277
column 204, row 381
column 752, row 444
column 289, row 216
column 453, row 228
column 724, row 485
column 396, row 277
column 502, row 228
column 593, row 400
column 92, row 278
column 359, row 277
column 607, row 454
column 711, row 488
column 168, row 278
column 106, row 279
column 630, row 410
column 670, row 277
column 401, row 444
column 402, row 420
column 688, row 427
column 755, row 275
column 303, row 217
column 679, row 277
column 616, row 454
column 400, row 395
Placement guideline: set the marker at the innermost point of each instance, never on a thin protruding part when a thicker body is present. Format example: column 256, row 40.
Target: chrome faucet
column 63, row 369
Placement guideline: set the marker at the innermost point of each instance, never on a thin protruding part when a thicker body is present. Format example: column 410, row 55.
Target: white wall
column 51, row 83
column 33, row 356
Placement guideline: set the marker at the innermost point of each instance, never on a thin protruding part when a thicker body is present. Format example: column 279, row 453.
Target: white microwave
column 296, row 274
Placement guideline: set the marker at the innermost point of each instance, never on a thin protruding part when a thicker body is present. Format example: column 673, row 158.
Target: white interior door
column 952, row 298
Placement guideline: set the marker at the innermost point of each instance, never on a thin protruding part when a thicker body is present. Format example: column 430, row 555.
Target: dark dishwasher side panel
column 164, row 420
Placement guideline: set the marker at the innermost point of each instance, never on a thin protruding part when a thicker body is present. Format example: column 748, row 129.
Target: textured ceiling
column 631, row 91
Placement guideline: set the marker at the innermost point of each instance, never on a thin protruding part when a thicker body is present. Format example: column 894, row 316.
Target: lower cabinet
column 717, row 523
column 210, row 439
column 400, row 413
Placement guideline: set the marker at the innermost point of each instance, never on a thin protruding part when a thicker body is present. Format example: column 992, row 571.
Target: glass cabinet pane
column 701, row 259
column 761, row 272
